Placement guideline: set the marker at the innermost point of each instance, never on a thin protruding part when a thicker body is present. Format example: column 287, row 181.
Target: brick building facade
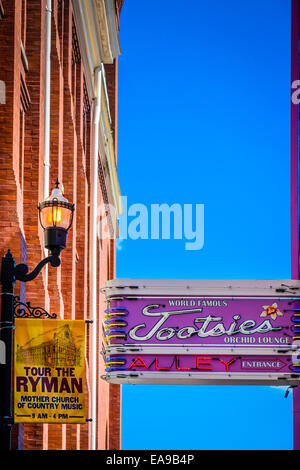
column 84, row 35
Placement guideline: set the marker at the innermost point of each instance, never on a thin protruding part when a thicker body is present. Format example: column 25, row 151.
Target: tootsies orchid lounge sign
column 168, row 331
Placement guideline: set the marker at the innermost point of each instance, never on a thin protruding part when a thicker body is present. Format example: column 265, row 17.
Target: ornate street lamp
column 56, row 217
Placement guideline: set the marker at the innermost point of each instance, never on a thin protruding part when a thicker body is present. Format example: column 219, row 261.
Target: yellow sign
column 49, row 371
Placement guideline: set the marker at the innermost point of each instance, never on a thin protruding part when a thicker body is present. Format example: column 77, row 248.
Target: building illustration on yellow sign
column 61, row 349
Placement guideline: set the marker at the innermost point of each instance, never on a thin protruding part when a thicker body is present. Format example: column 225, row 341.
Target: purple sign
column 202, row 331
column 203, row 321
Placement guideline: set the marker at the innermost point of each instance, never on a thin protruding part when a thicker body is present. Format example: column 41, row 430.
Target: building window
column 86, row 120
column 76, row 59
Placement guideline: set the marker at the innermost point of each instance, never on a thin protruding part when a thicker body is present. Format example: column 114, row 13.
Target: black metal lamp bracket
column 21, row 270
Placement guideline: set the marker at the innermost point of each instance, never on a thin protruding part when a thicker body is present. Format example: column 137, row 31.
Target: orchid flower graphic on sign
column 272, row 311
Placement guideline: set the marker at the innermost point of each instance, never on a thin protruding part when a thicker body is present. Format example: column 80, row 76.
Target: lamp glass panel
column 56, row 216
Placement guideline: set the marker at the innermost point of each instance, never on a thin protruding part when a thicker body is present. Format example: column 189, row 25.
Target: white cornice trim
column 112, row 26
column 101, row 26
column 98, row 39
column 97, row 31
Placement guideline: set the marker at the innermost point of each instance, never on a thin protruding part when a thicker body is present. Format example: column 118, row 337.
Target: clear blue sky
column 204, row 118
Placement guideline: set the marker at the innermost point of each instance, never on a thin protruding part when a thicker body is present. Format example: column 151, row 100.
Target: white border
column 200, row 287
column 192, row 350
column 213, row 378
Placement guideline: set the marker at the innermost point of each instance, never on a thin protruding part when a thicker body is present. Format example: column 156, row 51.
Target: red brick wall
column 21, row 188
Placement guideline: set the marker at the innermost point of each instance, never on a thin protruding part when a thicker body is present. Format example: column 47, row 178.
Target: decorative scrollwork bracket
column 25, row 310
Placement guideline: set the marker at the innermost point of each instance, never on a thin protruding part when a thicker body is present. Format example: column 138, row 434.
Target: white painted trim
column 85, row 47
column 2, row 92
column 284, row 350
column 47, row 102
column 211, row 378
column 112, row 28
column 201, row 287
column 107, row 30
